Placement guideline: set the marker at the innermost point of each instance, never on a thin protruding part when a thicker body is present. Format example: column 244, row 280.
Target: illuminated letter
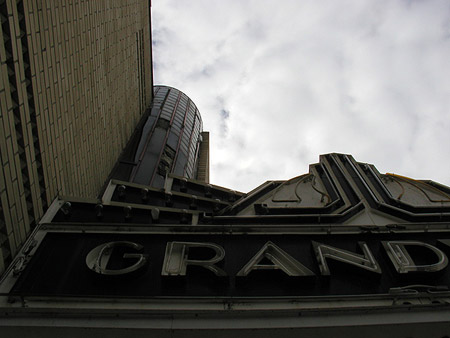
column 176, row 259
column 97, row 259
column 403, row 262
column 280, row 259
column 366, row 261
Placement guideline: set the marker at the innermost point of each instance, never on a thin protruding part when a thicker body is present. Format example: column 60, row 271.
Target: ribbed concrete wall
column 76, row 76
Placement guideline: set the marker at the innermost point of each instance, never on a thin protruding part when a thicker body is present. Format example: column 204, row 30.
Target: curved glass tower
column 168, row 142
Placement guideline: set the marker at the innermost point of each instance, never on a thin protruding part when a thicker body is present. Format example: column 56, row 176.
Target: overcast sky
column 279, row 82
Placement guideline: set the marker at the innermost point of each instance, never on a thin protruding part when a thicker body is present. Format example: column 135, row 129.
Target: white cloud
column 302, row 78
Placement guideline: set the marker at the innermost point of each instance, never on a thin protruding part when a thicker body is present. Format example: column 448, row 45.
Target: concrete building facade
column 76, row 77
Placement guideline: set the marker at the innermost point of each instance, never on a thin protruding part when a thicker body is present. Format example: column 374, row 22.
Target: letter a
column 280, row 259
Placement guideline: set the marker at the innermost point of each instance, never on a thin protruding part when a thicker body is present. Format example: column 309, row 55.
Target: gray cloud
column 303, row 78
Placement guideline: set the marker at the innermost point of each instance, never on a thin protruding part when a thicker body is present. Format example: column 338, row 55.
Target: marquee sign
column 233, row 265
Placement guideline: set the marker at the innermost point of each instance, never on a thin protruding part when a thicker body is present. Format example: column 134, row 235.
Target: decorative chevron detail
column 337, row 190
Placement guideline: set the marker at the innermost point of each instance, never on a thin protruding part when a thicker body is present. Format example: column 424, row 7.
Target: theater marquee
column 149, row 265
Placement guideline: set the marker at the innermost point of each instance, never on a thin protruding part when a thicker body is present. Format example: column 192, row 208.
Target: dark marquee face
column 342, row 230
column 206, row 265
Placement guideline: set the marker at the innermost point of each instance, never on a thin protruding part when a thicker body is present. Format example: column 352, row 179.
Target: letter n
column 365, row 261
